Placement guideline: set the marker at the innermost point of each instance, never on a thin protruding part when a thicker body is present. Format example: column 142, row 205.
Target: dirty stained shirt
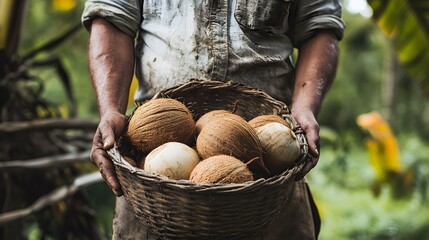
column 246, row 41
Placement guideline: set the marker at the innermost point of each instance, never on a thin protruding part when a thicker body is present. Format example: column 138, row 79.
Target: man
column 167, row 42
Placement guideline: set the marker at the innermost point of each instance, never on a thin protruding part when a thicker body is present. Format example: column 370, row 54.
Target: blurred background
column 372, row 178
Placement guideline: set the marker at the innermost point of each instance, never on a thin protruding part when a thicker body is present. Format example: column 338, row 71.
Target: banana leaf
column 406, row 22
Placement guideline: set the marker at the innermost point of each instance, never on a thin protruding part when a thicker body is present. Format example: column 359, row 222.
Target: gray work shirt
column 246, row 41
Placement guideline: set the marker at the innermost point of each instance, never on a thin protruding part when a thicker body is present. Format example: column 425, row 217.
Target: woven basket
column 184, row 210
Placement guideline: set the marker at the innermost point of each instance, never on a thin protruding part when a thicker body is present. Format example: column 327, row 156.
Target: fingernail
column 107, row 145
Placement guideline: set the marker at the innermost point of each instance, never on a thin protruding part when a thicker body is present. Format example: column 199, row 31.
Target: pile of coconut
column 221, row 147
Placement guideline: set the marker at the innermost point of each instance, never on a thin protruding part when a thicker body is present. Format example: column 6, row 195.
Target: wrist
column 111, row 107
column 111, row 112
column 304, row 107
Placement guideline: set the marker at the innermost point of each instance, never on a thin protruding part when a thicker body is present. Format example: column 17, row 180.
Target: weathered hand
column 111, row 126
column 309, row 124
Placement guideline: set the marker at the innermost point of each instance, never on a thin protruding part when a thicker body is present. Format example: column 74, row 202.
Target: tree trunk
column 11, row 18
column 11, row 12
column 389, row 83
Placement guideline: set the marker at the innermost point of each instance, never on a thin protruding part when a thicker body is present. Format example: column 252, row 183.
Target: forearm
column 315, row 72
column 111, row 64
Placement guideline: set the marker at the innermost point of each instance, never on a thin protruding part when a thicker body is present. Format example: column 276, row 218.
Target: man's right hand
column 111, row 126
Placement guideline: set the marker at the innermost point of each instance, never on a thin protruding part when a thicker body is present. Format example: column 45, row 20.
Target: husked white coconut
column 173, row 159
column 280, row 146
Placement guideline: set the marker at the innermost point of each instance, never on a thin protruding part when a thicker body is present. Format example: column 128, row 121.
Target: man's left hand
column 309, row 124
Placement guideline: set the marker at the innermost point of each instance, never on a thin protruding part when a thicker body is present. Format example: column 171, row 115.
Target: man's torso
column 217, row 40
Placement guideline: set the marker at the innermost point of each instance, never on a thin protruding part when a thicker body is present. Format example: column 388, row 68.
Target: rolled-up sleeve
column 314, row 15
column 124, row 15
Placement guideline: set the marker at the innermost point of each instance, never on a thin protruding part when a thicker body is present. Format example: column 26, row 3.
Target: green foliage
column 407, row 23
column 358, row 87
column 44, row 23
column 342, row 185
column 71, row 218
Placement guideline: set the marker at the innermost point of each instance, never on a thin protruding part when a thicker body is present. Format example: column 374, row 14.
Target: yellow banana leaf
column 374, row 123
column 376, row 159
column 391, row 151
column 133, row 88
column 382, row 147
column 64, row 5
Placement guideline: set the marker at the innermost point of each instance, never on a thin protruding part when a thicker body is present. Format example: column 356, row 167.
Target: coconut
column 280, row 146
column 234, row 137
column 173, row 159
column 264, row 119
column 221, row 169
column 131, row 161
column 207, row 117
column 159, row 121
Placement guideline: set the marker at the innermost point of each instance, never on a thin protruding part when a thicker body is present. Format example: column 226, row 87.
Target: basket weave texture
column 181, row 209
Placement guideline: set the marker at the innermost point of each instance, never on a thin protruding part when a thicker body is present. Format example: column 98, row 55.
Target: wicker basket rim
column 189, row 185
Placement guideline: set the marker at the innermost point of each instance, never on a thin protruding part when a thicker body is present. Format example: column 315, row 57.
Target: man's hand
column 111, row 126
column 315, row 72
column 111, row 64
column 308, row 123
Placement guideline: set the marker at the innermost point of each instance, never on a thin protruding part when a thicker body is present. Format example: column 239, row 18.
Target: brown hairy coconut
column 159, row 121
column 280, row 146
column 221, row 169
column 234, row 137
column 130, row 161
column 207, row 117
column 264, row 119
